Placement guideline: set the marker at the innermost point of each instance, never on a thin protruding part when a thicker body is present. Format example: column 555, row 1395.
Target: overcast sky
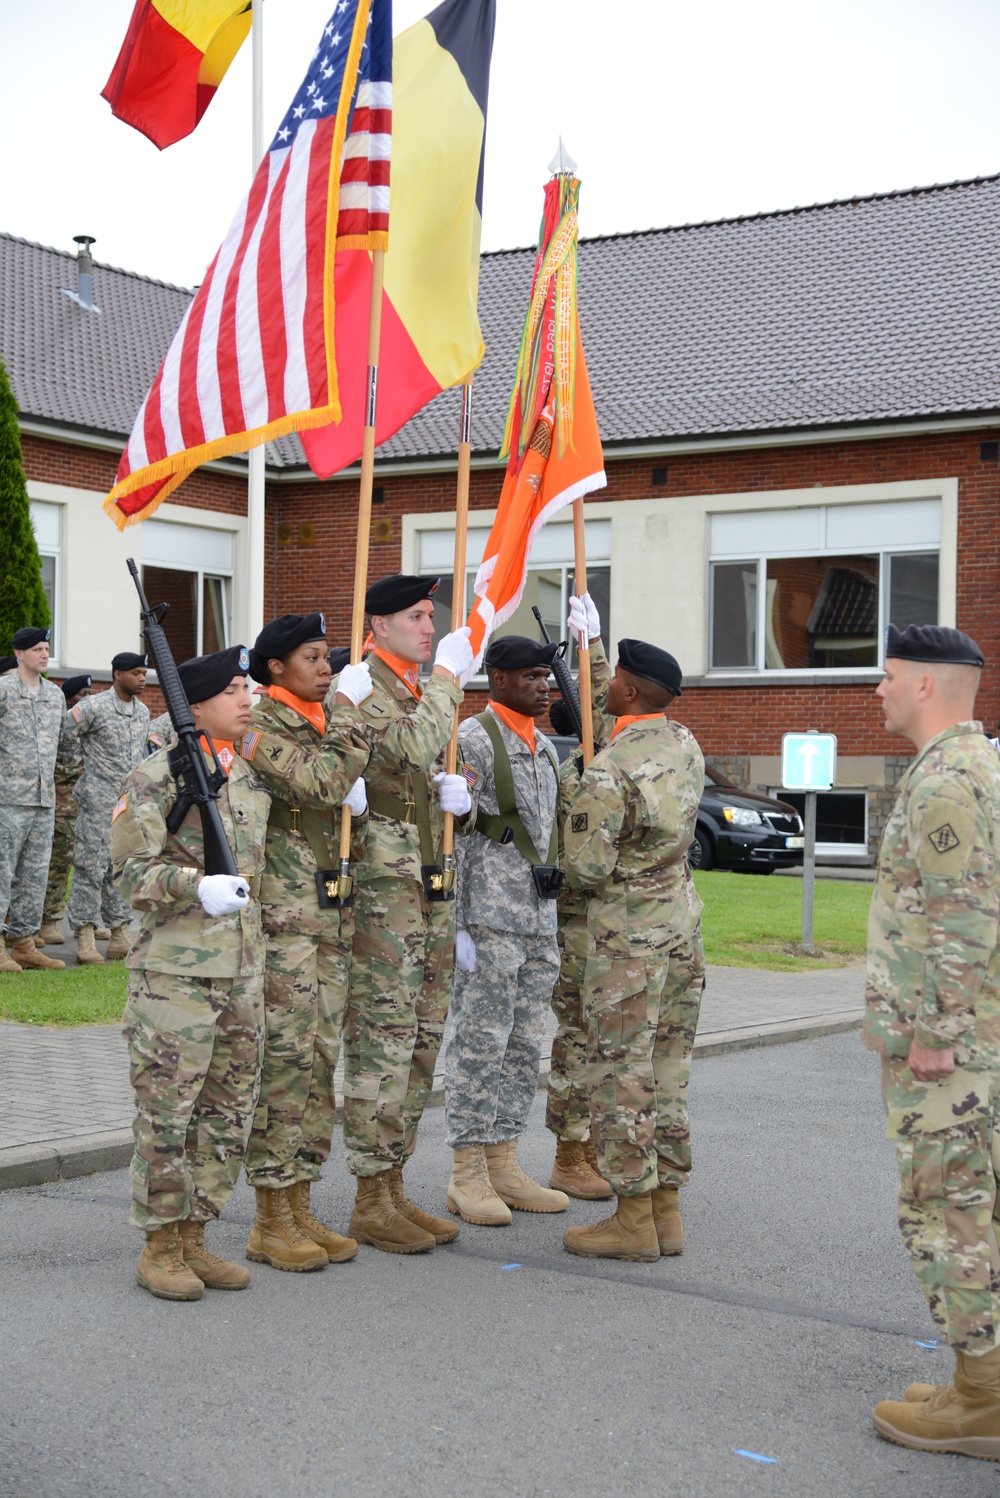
column 675, row 113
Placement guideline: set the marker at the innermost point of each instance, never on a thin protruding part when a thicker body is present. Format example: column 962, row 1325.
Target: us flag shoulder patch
column 77, row 713
column 119, row 807
column 471, row 775
column 250, row 742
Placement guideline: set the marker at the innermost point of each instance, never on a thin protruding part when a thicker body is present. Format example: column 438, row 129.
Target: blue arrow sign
column 808, row 761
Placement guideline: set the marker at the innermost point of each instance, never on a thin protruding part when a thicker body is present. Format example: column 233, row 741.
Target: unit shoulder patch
column 944, row 838
column 580, row 821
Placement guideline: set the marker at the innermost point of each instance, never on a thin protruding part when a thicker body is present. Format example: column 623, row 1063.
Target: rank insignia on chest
column 579, row 822
column 250, row 742
column 944, row 838
column 119, row 807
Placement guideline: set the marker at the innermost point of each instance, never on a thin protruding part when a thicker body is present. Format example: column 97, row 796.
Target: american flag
column 254, row 355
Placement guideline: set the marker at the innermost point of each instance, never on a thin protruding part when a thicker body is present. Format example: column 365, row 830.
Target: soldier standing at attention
column 32, row 721
column 194, row 1016
column 67, row 772
column 507, row 955
column 310, row 760
column 933, row 1014
column 404, row 942
column 629, row 830
column 111, row 728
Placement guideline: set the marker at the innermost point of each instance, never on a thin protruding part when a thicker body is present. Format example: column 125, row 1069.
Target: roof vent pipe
column 84, row 293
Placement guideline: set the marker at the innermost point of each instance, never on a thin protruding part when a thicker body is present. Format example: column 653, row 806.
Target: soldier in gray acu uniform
column 112, row 729
column 32, row 720
column 506, row 951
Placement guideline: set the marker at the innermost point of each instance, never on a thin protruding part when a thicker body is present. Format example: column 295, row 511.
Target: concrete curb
column 64, row 1159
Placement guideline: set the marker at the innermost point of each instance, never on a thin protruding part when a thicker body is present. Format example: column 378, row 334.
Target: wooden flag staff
column 583, row 647
column 457, row 612
column 345, row 880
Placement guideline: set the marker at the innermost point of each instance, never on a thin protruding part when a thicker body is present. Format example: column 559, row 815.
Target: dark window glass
column 822, row 612
column 913, row 588
column 840, row 816
column 734, row 614
column 180, row 591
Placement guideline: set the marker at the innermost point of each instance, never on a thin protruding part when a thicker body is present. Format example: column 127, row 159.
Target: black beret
column 7, row 663
column 402, row 591
column 74, row 684
column 127, row 660
column 206, row 676
column 934, row 643
column 25, row 638
column 562, row 719
column 518, row 653
column 339, row 658
column 651, row 663
column 280, row 638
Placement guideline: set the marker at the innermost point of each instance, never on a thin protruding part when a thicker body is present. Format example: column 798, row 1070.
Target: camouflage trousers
column 94, row 898
column 25, row 845
column 642, row 1014
column 567, row 1110
column 60, row 863
column 195, row 1049
column 948, row 1214
column 491, row 1065
column 404, row 952
column 306, row 983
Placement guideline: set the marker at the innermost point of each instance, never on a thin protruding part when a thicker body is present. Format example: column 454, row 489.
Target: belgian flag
column 431, row 337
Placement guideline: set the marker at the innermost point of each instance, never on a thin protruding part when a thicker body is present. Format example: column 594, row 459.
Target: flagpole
column 583, row 647
column 256, row 455
column 345, row 882
column 457, row 612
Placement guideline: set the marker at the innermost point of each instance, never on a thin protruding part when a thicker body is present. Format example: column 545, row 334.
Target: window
column 813, row 589
column 45, row 519
column 841, row 821
column 549, row 582
column 190, row 568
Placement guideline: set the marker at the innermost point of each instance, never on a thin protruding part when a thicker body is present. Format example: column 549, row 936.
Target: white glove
column 455, row 653
column 356, row 799
column 583, row 616
column 355, row 682
column 465, row 952
column 453, row 791
column 222, row 894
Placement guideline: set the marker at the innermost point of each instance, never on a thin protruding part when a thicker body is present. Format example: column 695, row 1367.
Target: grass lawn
column 77, row 996
column 748, row 919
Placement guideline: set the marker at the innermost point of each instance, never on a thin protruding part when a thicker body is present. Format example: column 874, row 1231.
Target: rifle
column 187, row 761
column 561, row 672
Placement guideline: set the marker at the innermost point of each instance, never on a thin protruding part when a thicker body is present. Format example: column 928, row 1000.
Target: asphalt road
column 792, row 1311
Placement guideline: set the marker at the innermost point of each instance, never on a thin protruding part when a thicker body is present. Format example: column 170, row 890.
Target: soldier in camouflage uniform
column 933, row 1014
column 67, row 772
column 32, row 724
column 404, row 942
column 310, row 759
column 160, row 733
column 629, row 830
column 507, row 956
column 194, row 1016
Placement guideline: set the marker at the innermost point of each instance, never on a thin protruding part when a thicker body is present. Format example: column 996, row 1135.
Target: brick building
column 801, row 416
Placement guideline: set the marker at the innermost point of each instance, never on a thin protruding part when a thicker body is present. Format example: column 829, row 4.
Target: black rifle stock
column 187, row 761
column 564, row 680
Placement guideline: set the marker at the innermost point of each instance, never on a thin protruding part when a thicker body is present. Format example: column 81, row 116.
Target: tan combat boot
column 470, row 1190
column 215, row 1273
column 376, row 1221
column 630, row 1234
column 161, row 1268
column 276, row 1239
column 963, row 1417
column 574, row 1174
column 50, row 935
column 338, row 1248
column 667, row 1217
column 513, row 1186
column 86, row 952
column 26, row 954
column 7, row 963
column 440, row 1229
column 102, row 933
column 118, row 946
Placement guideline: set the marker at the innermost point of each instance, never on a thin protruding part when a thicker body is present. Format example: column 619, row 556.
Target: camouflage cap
column 936, row 644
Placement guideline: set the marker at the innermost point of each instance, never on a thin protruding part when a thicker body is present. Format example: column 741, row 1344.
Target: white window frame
column 54, row 550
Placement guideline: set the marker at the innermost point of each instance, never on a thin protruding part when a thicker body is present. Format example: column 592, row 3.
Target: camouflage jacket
column 160, row 733
column 112, row 737
column 158, row 873
column 933, row 960
column 31, row 728
column 628, row 831
column 69, row 768
column 495, row 887
column 408, row 739
column 313, row 773
column 572, row 903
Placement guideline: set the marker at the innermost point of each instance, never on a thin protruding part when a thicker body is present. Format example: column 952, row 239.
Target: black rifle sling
column 509, row 818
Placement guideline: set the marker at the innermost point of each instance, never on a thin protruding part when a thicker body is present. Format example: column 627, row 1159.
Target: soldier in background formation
column 310, row 755
column 933, row 1015
column 32, row 721
column 111, row 729
column 67, row 772
column 506, row 948
column 194, row 1017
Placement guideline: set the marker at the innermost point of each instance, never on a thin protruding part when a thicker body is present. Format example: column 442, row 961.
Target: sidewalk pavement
column 66, row 1103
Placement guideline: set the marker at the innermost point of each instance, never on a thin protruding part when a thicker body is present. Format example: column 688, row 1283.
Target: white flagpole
column 254, row 613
